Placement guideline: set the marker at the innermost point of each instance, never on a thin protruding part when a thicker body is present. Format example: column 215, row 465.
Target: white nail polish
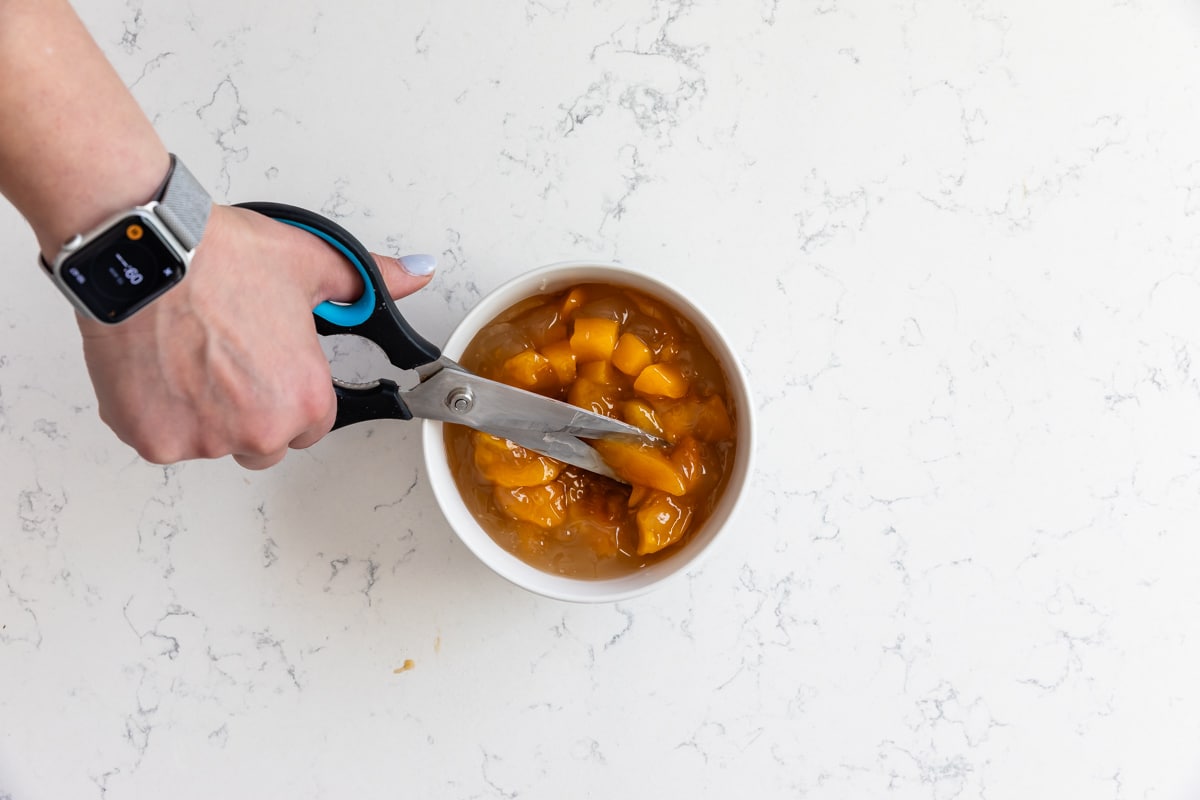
column 418, row 265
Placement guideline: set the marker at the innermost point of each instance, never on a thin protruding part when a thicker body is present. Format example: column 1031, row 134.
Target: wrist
column 84, row 195
column 114, row 269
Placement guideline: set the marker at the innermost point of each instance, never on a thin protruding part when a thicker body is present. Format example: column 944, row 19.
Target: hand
column 229, row 362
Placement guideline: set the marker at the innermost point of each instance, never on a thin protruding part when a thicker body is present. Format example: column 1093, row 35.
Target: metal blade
column 454, row 395
column 563, row 447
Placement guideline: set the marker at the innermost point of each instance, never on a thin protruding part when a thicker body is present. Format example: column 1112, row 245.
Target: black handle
column 380, row 401
column 381, row 322
column 374, row 317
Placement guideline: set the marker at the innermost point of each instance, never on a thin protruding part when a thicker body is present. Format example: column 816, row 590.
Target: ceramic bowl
column 688, row 556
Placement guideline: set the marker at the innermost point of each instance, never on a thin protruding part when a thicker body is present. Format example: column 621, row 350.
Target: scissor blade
column 454, row 395
column 563, row 447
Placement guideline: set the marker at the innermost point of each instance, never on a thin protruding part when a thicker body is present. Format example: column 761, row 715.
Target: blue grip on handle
column 350, row 314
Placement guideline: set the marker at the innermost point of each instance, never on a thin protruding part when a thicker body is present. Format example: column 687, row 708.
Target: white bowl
column 583, row 590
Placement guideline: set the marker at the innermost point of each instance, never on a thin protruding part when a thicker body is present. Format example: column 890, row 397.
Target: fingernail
column 418, row 265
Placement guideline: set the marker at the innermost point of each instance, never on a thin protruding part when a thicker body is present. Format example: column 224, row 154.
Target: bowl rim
column 584, row 590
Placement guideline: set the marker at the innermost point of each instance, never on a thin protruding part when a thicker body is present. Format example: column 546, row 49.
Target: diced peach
column 641, row 465
column 605, row 305
column 496, row 344
column 669, row 350
column 637, row 495
column 589, row 498
column 695, row 463
column 562, row 360
column 593, row 396
column 544, row 506
column 675, row 418
column 503, row 463
column 649, row 307
column 631, row 355
column 520, row 308
column 530, row 370
column 713, row 423
column 542, row 325
column 662, row 520
column 594, row 339
column 706, row 419
column 661, row 380
column 595, row 520
column 639, row 413
column 601, row 372
column 574, row 299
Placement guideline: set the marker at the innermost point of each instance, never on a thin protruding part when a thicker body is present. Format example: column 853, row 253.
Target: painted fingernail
column 418, row 265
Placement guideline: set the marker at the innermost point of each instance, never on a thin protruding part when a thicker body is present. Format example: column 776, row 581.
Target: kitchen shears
column 446, row 391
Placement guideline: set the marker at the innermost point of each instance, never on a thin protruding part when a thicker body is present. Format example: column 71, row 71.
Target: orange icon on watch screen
column 134, row 232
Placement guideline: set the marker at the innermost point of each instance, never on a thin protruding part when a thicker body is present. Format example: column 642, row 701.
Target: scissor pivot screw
column 460, row 400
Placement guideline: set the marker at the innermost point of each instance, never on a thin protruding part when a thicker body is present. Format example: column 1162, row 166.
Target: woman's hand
column 229, row 361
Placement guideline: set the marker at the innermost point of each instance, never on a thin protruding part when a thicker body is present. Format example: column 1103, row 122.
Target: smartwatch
column 122, row 265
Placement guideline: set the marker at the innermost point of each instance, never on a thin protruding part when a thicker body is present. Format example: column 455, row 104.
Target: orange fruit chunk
column 640, row 414
column 596, row 518
column 695, row 463
column 594, row 339
column 544, row 506
column 632, row 355
column 649, row 307
column 662, row 520
column 707, row 419
column 599, row 372
column 542, row 325
column 641, row 465
column 661, row 380
column 592, row 396
column 574, row 299
column 530, row 370
column 506, row 464
column 562, row 360
column 713, row 423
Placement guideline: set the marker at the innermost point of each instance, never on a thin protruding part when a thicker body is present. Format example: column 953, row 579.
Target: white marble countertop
column 956, row 244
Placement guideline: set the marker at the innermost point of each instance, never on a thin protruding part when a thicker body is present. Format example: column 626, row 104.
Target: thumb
column 406, row 274
column 320, row 270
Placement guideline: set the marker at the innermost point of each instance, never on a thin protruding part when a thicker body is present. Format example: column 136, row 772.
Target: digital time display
column 122, row 270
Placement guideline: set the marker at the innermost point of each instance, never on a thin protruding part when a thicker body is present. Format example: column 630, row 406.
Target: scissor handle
column 380, row 400
column 373, row 316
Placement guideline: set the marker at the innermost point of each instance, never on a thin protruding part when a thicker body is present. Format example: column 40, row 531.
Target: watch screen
column 121, row 270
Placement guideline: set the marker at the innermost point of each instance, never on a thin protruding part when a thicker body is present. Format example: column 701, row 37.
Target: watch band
column 183, row 205
column 109, row 276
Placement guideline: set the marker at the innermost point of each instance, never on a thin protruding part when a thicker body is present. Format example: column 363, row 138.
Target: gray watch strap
column 183, row 205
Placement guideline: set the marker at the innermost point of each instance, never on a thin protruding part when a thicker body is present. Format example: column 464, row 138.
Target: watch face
column 121, row 270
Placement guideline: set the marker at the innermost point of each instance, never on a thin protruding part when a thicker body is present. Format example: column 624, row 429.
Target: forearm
column 75, row 146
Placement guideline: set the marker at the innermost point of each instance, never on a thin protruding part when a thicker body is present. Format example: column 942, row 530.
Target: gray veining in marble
column 957, row 246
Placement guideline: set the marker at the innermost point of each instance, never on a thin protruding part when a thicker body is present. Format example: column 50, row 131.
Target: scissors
column 446, row 391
